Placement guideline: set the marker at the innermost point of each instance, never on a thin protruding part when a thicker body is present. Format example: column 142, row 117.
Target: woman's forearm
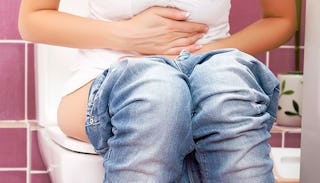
column 261, row 36
column 57, row 28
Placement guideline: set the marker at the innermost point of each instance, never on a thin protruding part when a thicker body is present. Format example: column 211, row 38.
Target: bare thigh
column 72, row 113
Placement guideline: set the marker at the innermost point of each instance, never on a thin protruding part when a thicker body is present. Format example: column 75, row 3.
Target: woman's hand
column 158, row 30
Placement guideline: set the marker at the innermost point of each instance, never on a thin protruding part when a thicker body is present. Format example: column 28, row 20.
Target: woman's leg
column 235, row 100
column 139, row 119
column 72, row 113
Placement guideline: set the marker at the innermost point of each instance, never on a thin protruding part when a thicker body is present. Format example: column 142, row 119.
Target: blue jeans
column 201, row 118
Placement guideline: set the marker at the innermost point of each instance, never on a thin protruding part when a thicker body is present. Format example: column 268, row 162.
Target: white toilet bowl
column 286, row 164
column 67, row 160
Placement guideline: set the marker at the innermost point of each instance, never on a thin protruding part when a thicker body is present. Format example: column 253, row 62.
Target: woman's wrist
column 156, row 31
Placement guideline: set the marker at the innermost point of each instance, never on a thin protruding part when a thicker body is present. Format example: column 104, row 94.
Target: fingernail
column 199, row 46
column 186, row 14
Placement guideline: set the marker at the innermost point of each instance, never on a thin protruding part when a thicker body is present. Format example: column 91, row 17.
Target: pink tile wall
column 12, row 81
column 13, row 151
column 241, row 16
column 36, row 161
column 244, row 13
column 31, row 84
column 13, row 141
column 13, row 177
column 8, row 22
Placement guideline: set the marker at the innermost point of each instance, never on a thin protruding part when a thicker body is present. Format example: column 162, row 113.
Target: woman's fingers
column 170, row 13
column 185, row 26
column 159, row 31
column 185, row 41
column 177, row 50
column 177, row 20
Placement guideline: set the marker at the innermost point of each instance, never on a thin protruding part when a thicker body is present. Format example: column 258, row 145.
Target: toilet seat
column 66, row 142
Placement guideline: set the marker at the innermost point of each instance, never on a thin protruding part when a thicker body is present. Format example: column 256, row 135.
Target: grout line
column 20, row 124
column 26, row 66
column 39, row 172
column 26, row 81
column 13, row 121
column 24, row 169
column 12, row 169
column 283, row 141
column 268, row 59
column 287, row 46
column 14, row 41
column 29, row 138
column 13, row 124
column 290, row 47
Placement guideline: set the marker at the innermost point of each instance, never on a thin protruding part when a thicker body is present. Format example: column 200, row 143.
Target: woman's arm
column 275, row 28
column 154, row 31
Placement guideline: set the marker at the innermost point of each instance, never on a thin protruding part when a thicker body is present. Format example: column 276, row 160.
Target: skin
column 157, row 30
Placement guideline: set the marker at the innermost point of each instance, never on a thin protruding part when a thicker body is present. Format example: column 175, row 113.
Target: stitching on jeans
column 94, row 124
column 203, row 159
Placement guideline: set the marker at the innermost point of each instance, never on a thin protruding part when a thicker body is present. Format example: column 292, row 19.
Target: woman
column 200, row 117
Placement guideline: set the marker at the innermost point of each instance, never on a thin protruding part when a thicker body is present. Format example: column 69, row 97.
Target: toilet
column 66, row 159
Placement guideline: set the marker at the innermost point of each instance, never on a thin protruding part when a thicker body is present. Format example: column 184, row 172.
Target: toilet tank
column 52, row 65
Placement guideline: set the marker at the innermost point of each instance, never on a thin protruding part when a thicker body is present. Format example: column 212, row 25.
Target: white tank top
column 91, row 62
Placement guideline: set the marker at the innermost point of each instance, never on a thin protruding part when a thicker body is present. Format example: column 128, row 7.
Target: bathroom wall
column 310, row 160
column 20, row 161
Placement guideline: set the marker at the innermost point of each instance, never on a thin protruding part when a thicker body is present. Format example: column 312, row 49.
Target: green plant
column 295, row 104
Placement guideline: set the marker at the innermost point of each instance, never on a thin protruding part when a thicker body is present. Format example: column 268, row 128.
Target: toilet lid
column 72, row 144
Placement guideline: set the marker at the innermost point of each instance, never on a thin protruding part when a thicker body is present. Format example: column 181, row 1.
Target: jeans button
column 91, row 121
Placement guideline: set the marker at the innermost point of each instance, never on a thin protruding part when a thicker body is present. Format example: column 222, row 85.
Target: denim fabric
column 199, row 118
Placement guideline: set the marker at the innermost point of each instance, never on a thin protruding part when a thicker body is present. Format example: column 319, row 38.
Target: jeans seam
column 190, row 174
column 202, row 157
column 109, row 154
column 177, row 65
column 97, row 123
column 92, row 99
